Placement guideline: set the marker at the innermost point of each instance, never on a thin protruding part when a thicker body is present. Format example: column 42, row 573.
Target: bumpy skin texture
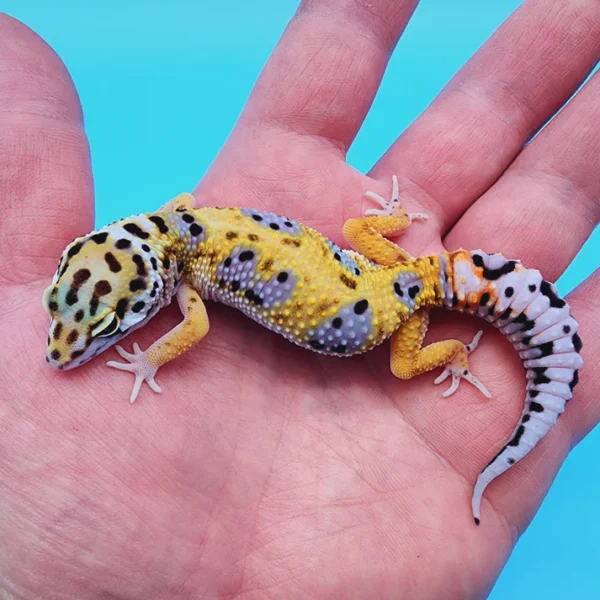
column 296, row 282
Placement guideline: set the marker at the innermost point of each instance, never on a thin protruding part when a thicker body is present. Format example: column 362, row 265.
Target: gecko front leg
column 366, row 234
column 187, row 334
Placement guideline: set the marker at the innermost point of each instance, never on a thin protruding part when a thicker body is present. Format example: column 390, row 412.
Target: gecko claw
column 459, row 372
column 140, row 367
column 392, row 206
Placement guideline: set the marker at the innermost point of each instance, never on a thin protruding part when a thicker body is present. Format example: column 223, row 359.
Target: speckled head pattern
column 107, row 284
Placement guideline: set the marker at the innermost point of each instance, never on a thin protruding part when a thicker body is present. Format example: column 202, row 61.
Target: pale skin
column 305, row 476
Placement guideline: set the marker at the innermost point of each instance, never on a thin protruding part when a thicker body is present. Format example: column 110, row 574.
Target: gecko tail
column 538, row 322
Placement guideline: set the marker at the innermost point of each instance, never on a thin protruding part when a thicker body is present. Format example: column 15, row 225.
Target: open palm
column 264, row 471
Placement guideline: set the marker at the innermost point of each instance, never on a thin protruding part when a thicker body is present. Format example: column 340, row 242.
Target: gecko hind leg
column 409, row 357
column 367, row 234
column 182, row 201
column 392, row 206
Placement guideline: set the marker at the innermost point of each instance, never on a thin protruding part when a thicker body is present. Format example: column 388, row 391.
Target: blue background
column 162, row 83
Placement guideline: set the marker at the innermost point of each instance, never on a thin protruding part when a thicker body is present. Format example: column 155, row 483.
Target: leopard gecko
column 296, row 282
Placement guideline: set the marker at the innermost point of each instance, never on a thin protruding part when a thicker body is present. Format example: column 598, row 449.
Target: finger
column 546, row 205
column 45, row 178
column 511, row 87
column 322, row 77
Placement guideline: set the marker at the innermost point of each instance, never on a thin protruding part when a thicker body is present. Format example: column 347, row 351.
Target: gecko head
column 107, row 284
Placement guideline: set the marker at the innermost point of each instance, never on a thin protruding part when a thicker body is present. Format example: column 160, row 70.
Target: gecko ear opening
column 46, row 299
column 107, row 326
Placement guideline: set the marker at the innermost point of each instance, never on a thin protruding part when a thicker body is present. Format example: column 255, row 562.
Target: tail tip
column 477, row 521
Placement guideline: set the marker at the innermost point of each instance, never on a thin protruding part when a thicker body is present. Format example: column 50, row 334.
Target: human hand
column 262, row 470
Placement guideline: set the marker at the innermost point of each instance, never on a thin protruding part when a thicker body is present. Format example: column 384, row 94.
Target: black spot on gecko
column 73, row 250
column 79, row 316
column 53, row 306
column 121, row 307
column 485, row 298
column 113, row 264
column 145, row 247
column 99, row 238
column 505, row 269
column 337, row 322
column 506, row 314
column 136, row 230
column 546, row 349
column 235, row 285
column 575, row 380
column 337, row 256
column 274, row 226
column 55, row 354
column 566, row 329
column 510, row 461
column 361, row 306
column 477, row 260
column 348, row 282
column 398, row 289
column 257, row 218
column 454, row 300
column 73, row 336
column 137, row 284
column 339, row 349
column 124, row 243
column 515, row 441
column 231, row 235
column 57, row 331
column 536, row 407
column 525, row 418
column 80, row 277
column 195, row 229
column 316, row 344
column 154, row 263
column 555, row 301
column 282, row 277
column 526, row 340
column 76, row 354
column 160, row 223
column 138, row 306
column 139, row 263
column 413, row 291
column 102, row 288
column 532, row 287
column 166, row 263
column 246, row 256
column 540, row 376
column 253, row 237
column 533, row 393
column 71, row 297
column 227, row 262
column 509, row 291
column 577, row 343
column 187, row 217
column 94, row 305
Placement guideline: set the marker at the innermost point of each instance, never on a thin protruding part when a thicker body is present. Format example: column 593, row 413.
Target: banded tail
column 538, row 322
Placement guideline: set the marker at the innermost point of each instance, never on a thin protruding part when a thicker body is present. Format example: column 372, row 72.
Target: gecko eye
column 46, row 299
column 107, row 326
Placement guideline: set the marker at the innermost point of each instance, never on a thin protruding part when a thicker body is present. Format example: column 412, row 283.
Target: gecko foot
column 459, row 372
column 392, row 206
column 140, row 367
